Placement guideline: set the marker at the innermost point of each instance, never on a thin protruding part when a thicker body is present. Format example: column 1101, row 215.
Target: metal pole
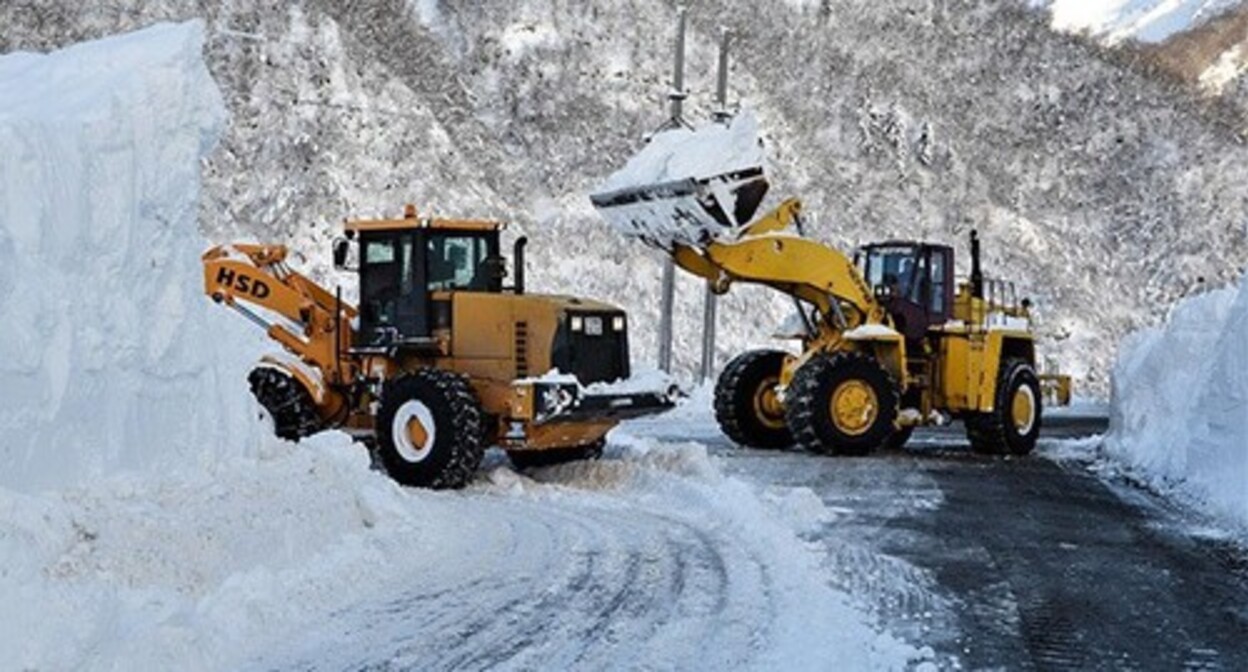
column 678, row 93
column 665, row 316
column 721, row 82
column 677, row 109
column 710, row 300
column 709, row 305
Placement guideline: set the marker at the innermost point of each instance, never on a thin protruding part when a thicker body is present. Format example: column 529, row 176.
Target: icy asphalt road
column 1032, row 563
column 1029, row 563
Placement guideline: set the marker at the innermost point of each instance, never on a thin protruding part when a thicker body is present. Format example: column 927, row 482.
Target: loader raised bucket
column 688, row 185
column 691, row 211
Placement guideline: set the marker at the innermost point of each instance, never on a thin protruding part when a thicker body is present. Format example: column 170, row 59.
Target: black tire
column 531, row 459
column 286, row 401
column 742, row 408
column 899, row 438
column 811, row 394
column 1000, row 432
column 452, row 454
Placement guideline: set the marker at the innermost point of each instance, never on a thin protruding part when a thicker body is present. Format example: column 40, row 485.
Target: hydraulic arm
column 307, row 320
column 766, row 253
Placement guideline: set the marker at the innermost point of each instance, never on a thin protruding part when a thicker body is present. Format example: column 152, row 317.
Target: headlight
column 618, row 323
column 578, row 323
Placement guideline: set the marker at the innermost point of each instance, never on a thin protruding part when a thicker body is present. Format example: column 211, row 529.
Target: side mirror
column 342, row 247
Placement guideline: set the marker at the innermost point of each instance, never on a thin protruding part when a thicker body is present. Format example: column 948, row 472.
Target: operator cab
column 408, row 269
column 913, row 281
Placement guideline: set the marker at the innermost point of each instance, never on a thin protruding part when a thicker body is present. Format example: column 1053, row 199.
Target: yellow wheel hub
column 417, row 433
column 1023, row 409
column 767, row 406
column 854, row 407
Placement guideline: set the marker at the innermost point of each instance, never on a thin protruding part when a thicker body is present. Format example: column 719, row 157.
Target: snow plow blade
column 559, row 402
column 690, row 211
column 593, row 407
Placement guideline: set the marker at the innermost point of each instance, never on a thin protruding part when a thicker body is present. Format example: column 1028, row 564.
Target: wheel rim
column 1023, row 410
column 767, row 406
column 854, row 407
column 413, row 431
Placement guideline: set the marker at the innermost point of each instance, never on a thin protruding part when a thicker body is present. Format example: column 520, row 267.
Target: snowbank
column 112, row 359
column 1179, row 415
column 305, row 558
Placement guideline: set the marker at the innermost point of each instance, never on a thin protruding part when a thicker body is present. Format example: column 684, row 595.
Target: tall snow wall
column 1180, row 402
column 110, row 356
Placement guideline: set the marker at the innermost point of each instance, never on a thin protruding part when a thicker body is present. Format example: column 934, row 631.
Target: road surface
column 994, row 563
column 1033, row 563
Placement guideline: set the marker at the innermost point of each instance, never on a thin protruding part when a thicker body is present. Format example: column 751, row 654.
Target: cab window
column 937, row 299
column 458, row 262
column 891, row 267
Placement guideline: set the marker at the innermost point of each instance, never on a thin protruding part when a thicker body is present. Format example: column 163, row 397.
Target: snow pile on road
column 1143, row 20
column 305, row 557
column 1179, row 416
column 112, row 358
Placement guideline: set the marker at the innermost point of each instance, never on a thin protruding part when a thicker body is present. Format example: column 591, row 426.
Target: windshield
column 891, row 267
column 460, row 262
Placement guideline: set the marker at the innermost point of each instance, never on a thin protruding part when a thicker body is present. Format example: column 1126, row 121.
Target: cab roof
column 412, row 220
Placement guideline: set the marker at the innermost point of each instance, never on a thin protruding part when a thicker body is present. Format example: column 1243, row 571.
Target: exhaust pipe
column 977, row 276
column 517, row 256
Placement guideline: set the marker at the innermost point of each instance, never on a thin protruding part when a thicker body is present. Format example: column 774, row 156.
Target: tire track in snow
column 579, row 585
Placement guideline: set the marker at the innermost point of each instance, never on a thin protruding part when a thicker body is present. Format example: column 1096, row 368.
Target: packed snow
column 1179, row 417
column 112, row 358
column 684, row 153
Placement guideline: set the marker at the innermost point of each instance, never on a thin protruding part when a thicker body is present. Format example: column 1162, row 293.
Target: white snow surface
column 262, row 563
column 1179, row 414
column 681, row 153
column 1142, row 20
column 702, row 152
column 112, row 358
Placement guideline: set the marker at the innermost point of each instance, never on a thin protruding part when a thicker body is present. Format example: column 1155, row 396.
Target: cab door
column 393, row 300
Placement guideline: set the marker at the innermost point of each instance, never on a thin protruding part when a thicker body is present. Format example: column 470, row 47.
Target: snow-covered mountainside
column 112, row 358
column 1108, row 193
column 1142, row 20
column 1180, row 403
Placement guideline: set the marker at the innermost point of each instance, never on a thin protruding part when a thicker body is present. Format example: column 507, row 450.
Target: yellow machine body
column 952, row 370
column 503, row 341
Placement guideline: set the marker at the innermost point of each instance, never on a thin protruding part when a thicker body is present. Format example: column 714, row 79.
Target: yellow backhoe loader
column 889, row 340
column 440, row 359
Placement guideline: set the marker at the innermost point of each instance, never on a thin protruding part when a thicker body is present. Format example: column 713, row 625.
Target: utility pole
column 710, row 300
column 676, row 99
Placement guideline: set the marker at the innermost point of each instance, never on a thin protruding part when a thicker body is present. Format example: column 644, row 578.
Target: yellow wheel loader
column 440, row 359
column 890, row 340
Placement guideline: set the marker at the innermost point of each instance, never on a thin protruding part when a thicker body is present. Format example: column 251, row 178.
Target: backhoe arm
column 317, row 326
